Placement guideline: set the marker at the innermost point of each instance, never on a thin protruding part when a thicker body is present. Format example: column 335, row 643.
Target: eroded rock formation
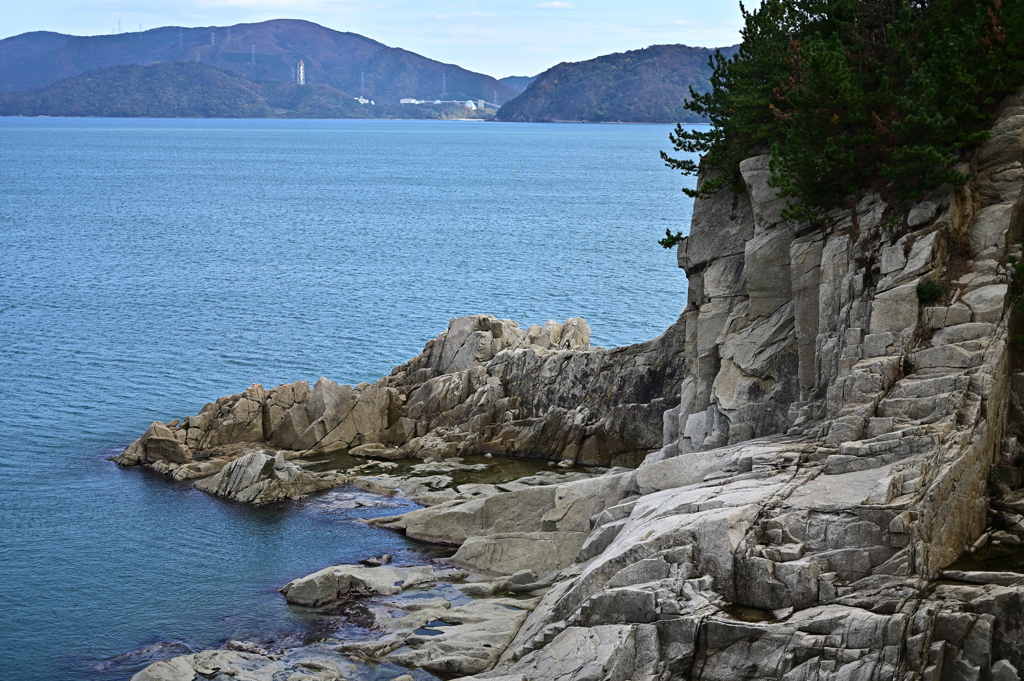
column 263, row 477
column 482, row 386
column 826, row 448
column 830, row 454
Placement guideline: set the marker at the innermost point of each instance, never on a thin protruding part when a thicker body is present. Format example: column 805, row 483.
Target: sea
column 148, row 266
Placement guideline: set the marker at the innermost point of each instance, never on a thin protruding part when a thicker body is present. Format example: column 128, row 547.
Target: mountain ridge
column 267, row 50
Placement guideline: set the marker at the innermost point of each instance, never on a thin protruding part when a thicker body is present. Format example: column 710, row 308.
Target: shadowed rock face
column 483, row 386
column 827, row 443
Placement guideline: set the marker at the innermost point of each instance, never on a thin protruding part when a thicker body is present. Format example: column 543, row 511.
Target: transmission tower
column 362, row 83
column 212, row 38
column 302, row 73
column 229, row 36
column 444, row 84
column 118, row 25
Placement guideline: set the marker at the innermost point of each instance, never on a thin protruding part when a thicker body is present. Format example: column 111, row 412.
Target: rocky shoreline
column 799, row 473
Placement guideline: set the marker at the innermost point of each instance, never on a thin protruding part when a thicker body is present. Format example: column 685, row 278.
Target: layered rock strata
column 828, row 443
column 262, row 477
column 831, row 452
column 482, row 386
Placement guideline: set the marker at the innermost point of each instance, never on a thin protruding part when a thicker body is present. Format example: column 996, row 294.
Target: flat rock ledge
column 420, row 626
column 831, row 462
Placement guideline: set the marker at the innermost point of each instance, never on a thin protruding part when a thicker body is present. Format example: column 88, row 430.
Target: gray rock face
column 300, row 665
column 448, row 640
column 829, row 456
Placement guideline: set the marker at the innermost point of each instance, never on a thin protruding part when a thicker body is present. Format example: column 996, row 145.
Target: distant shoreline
column 299, row 118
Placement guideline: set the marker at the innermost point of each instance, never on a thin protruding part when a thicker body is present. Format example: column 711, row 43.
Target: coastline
column 168, row 346
column 813, row 449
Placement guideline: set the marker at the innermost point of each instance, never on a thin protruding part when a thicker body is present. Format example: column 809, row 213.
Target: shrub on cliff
column 848, row 94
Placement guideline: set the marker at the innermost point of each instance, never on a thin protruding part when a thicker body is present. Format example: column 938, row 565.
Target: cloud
column 557, row 4
column 465, row 14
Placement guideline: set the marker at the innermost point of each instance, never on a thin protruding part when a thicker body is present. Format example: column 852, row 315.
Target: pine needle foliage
column 851, row 94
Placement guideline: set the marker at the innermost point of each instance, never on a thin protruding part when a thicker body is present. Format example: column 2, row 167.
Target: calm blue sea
column 149, row 266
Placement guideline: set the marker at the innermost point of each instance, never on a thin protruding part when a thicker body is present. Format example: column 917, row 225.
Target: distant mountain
column 640, row 86
column 197, row 90
column 518, row 82
column 265, row 51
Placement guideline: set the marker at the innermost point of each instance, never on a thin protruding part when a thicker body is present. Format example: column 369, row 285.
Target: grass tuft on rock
column 930, row 291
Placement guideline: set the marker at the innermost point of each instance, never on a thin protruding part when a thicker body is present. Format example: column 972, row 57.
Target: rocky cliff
column 831, row 454
column 828, row 446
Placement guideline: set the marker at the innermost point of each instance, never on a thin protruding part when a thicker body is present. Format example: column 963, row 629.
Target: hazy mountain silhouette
column 346, row 61
column 520, row 83
column 184, row 89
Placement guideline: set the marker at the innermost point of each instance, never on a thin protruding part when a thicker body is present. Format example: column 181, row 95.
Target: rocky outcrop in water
column 834, row 409
column 483, row 386
column 263, row 477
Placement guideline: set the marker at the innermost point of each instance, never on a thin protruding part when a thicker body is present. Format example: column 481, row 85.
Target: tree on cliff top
column 849, row 94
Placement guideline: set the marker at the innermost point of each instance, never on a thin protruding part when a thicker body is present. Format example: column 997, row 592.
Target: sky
column 496, row 37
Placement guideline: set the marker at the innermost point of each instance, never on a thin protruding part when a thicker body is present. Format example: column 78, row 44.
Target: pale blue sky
column 497, row 37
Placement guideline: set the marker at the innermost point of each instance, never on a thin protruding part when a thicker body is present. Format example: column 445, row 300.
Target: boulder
column 297, row 665
column 987, row 302
column 989, row 228
column 340, row 581
column 135, row 453
column 465, row 640
column 166, row 449
column 895, row 310
column 174, row 669
column 922, row 213
column 262, row 477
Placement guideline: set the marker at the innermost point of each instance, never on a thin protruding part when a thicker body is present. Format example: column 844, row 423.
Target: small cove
column 149, row 266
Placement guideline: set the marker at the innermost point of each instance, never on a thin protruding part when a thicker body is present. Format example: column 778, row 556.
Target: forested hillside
column 641, row 86
column 519, row 83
